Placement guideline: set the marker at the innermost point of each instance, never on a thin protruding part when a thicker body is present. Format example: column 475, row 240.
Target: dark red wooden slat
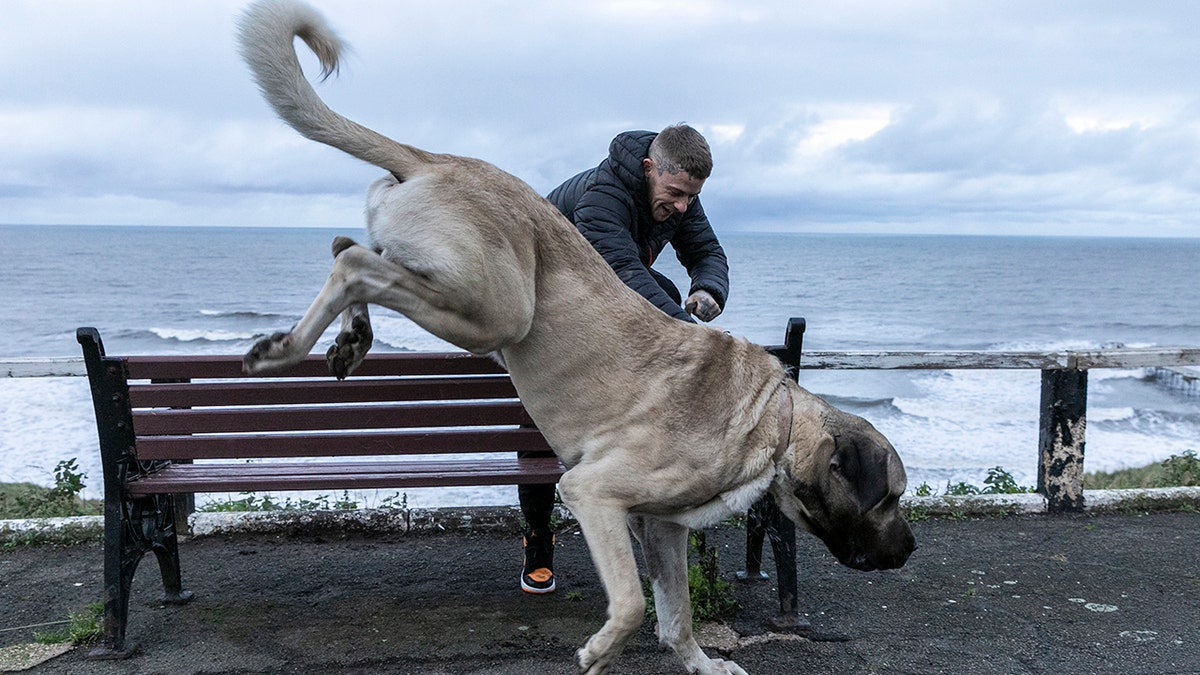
column 276, row 392
column 246, row 420
column 210, row 471
column 175, row 367
column 182, row 478
column 340, row 444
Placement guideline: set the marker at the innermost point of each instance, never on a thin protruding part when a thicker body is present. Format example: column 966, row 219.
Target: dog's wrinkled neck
column 785, row 421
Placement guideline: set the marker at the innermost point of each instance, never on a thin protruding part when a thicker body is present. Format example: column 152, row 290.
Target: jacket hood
column 625, row 155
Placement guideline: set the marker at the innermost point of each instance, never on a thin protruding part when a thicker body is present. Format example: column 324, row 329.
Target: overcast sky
column 1071, row 118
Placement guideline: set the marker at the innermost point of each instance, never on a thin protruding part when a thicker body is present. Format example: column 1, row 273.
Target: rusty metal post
column 1061, row 439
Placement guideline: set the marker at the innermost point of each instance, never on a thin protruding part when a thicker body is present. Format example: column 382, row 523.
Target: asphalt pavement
column 1111, row 593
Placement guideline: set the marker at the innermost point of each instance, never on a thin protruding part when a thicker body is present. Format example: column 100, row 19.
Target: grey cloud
column 164, row 110
column 962, row 139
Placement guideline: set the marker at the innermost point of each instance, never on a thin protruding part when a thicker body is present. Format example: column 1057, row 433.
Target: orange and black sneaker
column 538, row 575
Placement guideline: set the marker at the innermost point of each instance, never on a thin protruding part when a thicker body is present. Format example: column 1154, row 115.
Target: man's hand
column 702, row 305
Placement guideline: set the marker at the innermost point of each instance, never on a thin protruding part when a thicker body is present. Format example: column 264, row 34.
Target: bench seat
column 344, row 475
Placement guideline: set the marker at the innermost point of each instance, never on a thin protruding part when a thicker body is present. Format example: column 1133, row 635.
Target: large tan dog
column 664, row 425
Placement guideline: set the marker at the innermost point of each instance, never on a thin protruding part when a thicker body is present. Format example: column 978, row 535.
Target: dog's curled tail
column 265, row 34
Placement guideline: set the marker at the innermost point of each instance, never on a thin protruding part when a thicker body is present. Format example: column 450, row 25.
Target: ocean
column 214, row 290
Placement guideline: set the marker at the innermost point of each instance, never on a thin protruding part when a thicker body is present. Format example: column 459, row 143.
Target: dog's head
column 842, row 481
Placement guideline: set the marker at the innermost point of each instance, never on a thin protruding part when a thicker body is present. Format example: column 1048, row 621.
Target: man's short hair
column 681, row 148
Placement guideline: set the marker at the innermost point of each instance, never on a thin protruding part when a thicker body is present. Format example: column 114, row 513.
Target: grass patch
column 63, row 535
column 1175, row 471
column 26, row 500
column 83, row 627
column 998, row 482
column 712, row 597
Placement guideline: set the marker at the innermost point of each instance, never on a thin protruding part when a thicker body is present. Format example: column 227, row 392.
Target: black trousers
column 537, row 501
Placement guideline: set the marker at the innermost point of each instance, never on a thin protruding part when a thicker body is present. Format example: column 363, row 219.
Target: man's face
column 669, row 193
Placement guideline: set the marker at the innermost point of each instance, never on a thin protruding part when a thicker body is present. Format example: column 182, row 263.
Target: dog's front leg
column 606, row 530
column 664, row 545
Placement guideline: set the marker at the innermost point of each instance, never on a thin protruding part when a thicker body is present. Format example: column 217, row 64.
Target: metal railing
column 1063, row 411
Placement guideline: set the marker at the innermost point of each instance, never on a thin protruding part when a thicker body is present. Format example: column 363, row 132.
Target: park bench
column 171, row 426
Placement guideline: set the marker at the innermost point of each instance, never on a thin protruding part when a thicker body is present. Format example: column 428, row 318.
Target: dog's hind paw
column 270, row 354
column 350, row 347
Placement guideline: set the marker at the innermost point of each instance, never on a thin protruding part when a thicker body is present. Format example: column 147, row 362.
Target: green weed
column 1001, row 482
column 1175, row 471
column 83, row 627
column 998, row 482
column 1183, row 470
column 712, row 597
column 25, row 500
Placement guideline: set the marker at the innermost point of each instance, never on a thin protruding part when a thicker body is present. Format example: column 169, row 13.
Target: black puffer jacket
column 610, row 207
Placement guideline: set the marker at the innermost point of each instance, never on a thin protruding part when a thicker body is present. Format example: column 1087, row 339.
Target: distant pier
column 1185, row 379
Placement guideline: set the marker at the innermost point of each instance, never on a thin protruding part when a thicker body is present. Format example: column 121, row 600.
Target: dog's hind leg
column 283, row 350
column 360, row 276
column 664, row 546
column 356, row 336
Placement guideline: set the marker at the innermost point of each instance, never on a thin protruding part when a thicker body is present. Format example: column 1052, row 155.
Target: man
column 642, row 197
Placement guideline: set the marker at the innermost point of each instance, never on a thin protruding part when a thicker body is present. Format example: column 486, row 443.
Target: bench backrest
column 203, row 407
column 391, row 406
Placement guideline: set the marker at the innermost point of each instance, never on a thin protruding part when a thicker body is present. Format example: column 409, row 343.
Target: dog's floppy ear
column 863, row 466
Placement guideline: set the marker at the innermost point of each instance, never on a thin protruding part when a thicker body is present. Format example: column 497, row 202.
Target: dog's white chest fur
column 737, row 500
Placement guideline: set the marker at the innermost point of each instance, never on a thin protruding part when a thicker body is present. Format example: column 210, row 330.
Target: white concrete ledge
column 1145, row 498
column 977, row 505
column 492, row 518
column 1093, row 501
column 73, row 528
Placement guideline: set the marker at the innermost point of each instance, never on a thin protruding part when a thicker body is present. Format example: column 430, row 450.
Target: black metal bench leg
column 165, row 544
column 782, row 533
column 137, row 527
column 765, row 521
column 756, row 534
column 132, row 525
column 121, row 558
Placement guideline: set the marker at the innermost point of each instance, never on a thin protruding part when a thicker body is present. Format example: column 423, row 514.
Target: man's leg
column 537, row 505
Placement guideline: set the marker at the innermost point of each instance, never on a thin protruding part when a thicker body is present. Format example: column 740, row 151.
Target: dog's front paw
column 590, row 663
column 270, row 354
